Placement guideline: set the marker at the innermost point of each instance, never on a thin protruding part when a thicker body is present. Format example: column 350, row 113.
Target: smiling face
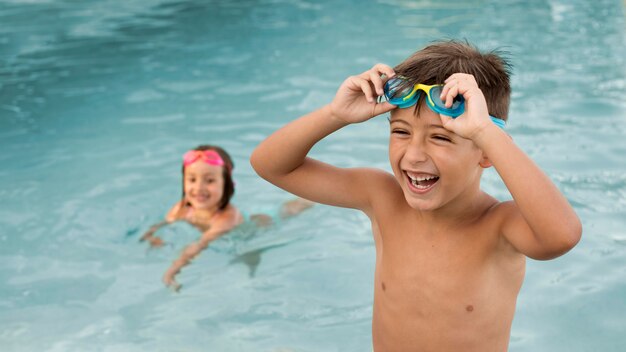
column 435, row 167
column 204, row 185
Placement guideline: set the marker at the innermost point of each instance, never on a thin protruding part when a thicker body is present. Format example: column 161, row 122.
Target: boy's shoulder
column 379, row 175
column 493, row 212
column 496, row 220
column 384, row 184
column 500, row 211
column 385, row 192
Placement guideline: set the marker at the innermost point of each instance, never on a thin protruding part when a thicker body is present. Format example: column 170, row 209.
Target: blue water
column 99, row 100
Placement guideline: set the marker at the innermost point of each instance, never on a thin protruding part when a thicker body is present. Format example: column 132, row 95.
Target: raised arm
column 540, row 222
column 282, row 157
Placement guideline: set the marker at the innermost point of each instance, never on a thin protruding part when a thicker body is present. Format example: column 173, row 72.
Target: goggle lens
column 396, row 90
column 435, row 94
column 440, row 106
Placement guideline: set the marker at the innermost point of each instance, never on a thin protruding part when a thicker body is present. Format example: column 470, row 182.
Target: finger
column 446, row 121
column 449, row 84
column 457, row 76
column 382, row 108
column 377, row 82
column 375, row 76
column 384, row 69
column 449, row 98
column 465, row 86
column 452, row 77
column 444, row 91
column 366, row 88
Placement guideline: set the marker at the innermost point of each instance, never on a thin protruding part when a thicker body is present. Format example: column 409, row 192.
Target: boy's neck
column 466, row 209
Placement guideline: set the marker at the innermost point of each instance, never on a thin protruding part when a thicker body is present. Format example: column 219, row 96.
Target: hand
column 156, row 242
column 147, row 236
column 476, row 116
column 355, row 100
column 170, row 282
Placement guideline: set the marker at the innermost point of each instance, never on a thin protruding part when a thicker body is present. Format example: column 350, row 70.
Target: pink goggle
column 210, row 157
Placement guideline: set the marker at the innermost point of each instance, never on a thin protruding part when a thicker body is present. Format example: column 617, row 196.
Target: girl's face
column 204, row 185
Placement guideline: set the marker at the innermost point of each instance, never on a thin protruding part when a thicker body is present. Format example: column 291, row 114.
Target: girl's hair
column 229, row 185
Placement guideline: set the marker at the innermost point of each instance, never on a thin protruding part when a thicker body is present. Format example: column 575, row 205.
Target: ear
column 484, row 162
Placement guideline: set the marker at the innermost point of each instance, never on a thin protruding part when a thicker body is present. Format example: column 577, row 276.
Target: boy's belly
column 449, row 326
column 445, row 305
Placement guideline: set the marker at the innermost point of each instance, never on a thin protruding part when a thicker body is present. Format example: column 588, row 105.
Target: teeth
column 423, row 178
column 419, row 186
column 415, row 180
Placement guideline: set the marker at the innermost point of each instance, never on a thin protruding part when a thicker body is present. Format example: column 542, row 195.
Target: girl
column 205, row 203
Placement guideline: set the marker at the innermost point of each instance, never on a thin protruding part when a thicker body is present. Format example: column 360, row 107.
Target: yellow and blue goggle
column 398, row 92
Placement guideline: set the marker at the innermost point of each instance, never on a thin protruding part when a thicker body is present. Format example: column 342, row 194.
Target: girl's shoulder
column 229, row 217
column 226, row 218
column 175, row 212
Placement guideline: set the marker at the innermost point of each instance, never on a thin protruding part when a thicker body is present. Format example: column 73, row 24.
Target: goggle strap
column 499, row 122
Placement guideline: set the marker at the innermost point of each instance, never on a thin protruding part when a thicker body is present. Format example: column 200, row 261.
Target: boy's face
column 433, row 166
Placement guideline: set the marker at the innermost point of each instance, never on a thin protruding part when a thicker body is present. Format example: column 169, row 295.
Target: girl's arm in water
column 171, row 216
column 190, row 252
column 227, row 221
column 149, row 235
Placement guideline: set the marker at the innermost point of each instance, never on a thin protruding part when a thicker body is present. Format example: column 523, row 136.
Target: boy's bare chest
column 429, row 281
column 442, row 260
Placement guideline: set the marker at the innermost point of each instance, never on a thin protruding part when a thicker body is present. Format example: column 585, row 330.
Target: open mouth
column 422, row 182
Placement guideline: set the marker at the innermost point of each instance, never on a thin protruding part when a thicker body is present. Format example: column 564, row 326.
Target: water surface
column 99, row 100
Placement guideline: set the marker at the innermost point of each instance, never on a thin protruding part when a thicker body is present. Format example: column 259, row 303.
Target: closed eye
column 442, row 138
column 398, row 131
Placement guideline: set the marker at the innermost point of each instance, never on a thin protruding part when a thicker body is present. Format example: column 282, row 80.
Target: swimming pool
column 99, row 100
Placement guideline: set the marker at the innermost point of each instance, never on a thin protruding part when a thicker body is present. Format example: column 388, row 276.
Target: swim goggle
column 210, row 157
column 399, row 93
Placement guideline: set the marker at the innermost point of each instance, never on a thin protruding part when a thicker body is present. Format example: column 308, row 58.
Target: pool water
column 100, row 99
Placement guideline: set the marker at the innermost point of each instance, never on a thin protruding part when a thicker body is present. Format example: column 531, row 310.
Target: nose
column 416, row 151
column 197, row 186
column 201, row 184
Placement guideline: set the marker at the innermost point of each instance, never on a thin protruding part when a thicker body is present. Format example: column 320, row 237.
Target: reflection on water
column 252, row 258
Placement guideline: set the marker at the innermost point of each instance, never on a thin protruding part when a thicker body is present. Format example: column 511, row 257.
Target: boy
column 450, row 259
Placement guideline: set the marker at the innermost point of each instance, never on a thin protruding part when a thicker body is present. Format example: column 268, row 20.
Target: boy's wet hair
column 229, row 185
column 439, row 60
